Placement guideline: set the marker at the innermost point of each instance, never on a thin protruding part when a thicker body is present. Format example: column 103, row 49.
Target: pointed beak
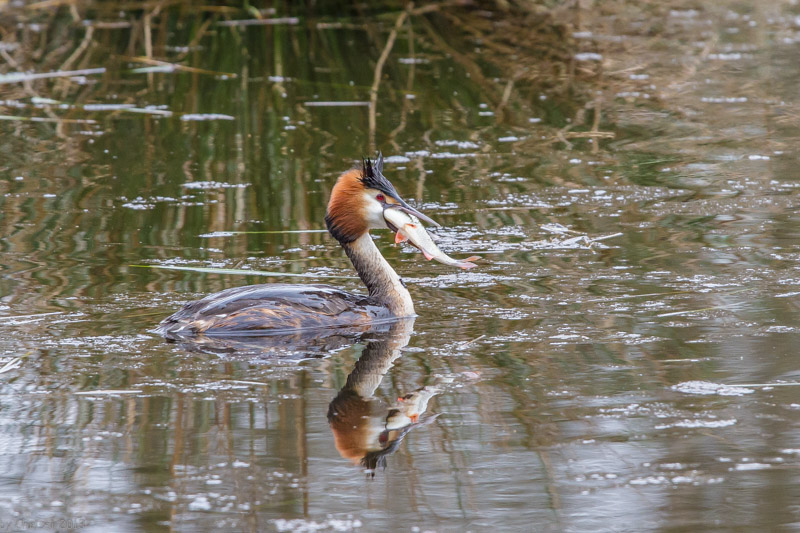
column 403, row 206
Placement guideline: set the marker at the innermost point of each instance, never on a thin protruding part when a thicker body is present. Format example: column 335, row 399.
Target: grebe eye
column 380, row 198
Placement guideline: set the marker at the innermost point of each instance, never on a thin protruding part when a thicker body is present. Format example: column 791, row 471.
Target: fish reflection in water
column 366, row 430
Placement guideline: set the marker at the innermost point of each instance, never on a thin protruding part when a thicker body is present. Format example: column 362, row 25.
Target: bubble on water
column 138, row 204
column 649, row 480
column 200, row 503
column 706, row 388
column 461, row 145
column 688, row 423
column 724, row 100
column 413, row 60
column 683, row 13
column 450, row 155
column 213, row 185
column 734, row 56
column 751, row 466
column 392, row 159
column 299, row 525
column 194, row 117
column 216, row 234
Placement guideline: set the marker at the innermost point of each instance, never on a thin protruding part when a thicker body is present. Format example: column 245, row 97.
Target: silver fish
column 410, row 407
column 408, row 227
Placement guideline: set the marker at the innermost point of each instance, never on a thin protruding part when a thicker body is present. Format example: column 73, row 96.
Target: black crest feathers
column 372, row 177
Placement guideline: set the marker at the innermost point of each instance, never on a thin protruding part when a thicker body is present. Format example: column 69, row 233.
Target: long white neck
column 383, row 283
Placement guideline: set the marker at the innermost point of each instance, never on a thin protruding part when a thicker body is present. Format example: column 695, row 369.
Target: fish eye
column 380, row 198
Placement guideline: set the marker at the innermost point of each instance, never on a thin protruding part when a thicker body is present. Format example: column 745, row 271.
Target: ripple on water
column 213, row 185
column 101, row 343
column 463, row 279
column 142, row 204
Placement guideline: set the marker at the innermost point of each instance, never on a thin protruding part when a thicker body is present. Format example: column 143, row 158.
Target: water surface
column 625, row 357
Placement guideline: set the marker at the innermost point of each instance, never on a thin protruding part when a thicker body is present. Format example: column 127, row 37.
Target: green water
column 628, row 174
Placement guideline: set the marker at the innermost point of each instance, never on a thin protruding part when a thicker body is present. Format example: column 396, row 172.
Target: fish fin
column 466, row 264
column 399, row 237
column 427, row 255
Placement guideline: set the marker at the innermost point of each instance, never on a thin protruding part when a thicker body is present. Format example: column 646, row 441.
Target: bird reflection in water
column 301, row 344
column 365, row 429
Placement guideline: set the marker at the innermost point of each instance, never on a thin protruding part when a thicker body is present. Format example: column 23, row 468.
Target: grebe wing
column 272, row 309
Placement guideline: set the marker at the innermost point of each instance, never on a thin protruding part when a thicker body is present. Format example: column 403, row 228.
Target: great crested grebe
column 362, row 199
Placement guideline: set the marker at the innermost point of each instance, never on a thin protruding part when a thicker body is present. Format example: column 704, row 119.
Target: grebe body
column 273, row 309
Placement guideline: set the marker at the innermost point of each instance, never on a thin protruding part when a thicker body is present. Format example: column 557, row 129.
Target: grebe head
column 359, row 200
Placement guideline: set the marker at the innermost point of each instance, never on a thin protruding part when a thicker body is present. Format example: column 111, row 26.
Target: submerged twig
column 198, row 36
column 409, row 88
column 588, row 135
column 11, row 365
column 148, row 43
column 36, row 315
column 245, row 382
column 177, row 66
column 376, row 79
column 604, row 237
column 596, row 124
column 338, row 103
column 473, row 341
column 56, row 120
column 260, row 22
column 231, row 233
column 85, row 42
column 17, row 77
